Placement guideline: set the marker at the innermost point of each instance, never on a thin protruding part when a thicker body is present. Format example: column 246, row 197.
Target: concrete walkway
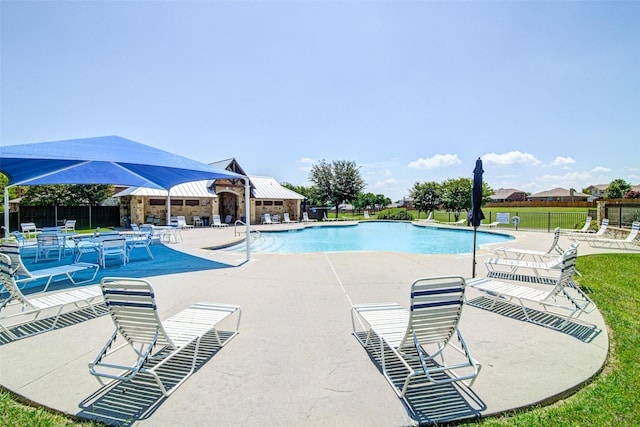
column 295, row 361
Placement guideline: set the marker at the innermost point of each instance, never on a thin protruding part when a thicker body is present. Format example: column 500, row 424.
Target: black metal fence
column 46, row 216
column 622, row 215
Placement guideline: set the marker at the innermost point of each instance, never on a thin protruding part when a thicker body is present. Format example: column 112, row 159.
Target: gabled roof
column 266, row 187
column 263, row 188
column 194, row 189
column 559, row 192
column 503, row 193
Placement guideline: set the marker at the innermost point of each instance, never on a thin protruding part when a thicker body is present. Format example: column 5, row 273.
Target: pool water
column 372, row 236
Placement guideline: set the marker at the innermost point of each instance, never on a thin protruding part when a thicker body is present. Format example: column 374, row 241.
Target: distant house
column 559, row 195
column 508, row 195
column 212, row 197
column 598, row 191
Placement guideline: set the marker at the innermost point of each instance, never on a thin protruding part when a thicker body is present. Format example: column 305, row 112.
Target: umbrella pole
column 473, row 269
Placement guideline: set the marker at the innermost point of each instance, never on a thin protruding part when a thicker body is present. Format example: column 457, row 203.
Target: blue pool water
column 372, row 236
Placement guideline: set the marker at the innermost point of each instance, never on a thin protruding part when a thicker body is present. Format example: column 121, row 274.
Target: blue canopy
column 102, row 160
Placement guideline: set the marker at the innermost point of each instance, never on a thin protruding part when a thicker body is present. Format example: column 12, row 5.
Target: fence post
column 548, row 222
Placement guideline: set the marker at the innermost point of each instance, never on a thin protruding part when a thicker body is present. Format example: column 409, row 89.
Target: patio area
column 295, row 361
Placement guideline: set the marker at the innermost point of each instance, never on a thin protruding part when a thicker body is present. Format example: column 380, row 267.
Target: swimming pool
column 382, row 236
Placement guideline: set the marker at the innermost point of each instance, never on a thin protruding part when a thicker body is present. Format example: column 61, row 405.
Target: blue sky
column 547, row 93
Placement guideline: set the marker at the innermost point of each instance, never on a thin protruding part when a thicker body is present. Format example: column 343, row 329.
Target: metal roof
column 193, row 189
column 268, row 188
column 264, row 188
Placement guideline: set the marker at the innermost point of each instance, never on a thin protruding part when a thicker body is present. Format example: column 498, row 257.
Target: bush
column 402, row 215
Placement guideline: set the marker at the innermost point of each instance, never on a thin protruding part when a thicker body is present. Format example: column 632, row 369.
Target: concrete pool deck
column 295, row 361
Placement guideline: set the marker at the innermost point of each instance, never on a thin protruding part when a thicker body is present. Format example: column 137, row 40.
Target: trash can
column 205, row 221
column 127, row 221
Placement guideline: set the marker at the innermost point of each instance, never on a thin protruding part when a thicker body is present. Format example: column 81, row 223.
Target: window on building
column 278, row 203
column 191, row 202
column 177, row 202
column 157, row 202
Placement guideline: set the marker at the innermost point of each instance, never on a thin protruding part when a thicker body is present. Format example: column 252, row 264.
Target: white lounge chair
column 167, row 350
column 493, row 224
column 305, row 217
column 182, row 223
column 217, row 223
column 586, row 228
column 419, row 336
column 514, row 266
column 53, row 274
column 18, row 311
column 286, row 219
column 626, row 243
column 266, row 219
column 539, row 256
column 564, row 298
column 586, row 236
column 366, row 215
column 429, row 218
column 462, row 221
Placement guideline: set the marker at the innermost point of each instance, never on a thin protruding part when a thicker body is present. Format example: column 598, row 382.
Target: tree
column 617, row 189
column 307, row 192
column 456, row 195
column 426, row 196
column 337, row 182
column 66, row 195
column 12, row 190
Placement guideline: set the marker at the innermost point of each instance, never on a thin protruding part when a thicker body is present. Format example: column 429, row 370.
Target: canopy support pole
column 247, row 215
column 169, row 206
column 6, row 211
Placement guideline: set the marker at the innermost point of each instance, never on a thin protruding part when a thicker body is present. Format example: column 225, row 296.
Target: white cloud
column 600, row 169
column 437, row 161
column 562, row 161
column 304, row 160
column 388, row 173
column 510, row 158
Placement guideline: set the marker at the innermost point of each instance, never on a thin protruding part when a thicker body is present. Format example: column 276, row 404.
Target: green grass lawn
column 612, row 281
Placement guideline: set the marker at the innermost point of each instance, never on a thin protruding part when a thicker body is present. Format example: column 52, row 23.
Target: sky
column 547, row 93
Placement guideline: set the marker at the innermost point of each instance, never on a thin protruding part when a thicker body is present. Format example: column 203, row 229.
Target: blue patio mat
column 166, row 261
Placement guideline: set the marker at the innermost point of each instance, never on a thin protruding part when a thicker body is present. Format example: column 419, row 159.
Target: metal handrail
column 235, row 228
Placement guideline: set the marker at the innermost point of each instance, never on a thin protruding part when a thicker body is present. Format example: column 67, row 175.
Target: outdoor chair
column 49, row 242
column 586, row 228
column 588, row 236
column 539, row 256
column 493, row 224
column 22, row 275
column 18, row 311
column 540, row 269
column 139, row 241
column 459, row 222
column 167, row 350
column 155, row 236
column 69, row 226
column 286, row 219
column 564, row 298
column 416, row 348
column 115, row 247
column 366, row 215
column 626, row 243
column 182, row 223
column 217, row 223
column 29, row 229
column 23, row 242
column 197, row 221
column 228, row 219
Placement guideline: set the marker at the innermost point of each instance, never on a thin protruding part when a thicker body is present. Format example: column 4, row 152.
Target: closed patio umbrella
column 476, row 216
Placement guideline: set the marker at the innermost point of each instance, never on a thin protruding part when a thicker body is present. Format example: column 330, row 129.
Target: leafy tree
column 307, row 192
column 13, row 191
column 456, row 195
column 66, row 194
column 426, row 196
column 337, row 182
column 381, row 201
column 617, row 188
